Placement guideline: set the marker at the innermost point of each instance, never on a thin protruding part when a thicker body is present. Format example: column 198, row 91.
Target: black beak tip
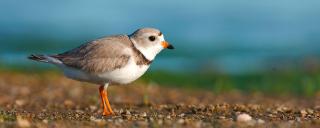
column 170, row 47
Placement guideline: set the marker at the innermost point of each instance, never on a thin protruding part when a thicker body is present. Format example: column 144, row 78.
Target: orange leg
column 107, row 111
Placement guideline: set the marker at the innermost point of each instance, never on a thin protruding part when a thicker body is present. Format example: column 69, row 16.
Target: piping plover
column 117, row 59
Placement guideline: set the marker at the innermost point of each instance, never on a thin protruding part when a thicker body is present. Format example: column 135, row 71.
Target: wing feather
column 99, row 56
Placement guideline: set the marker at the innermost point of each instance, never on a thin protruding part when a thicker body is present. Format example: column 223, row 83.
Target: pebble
column 244, row 118
column 121, row 111
column 119, row 120
column 98, row 121
column 283, row 109
column 160, row 116
column 93, row 107
column 128, row 112
column 79, row 111
column 128, row 117
column 298, row 119
column 310, row 111
column 68, row 103
column 303, row 113
column 182, row 115
column 143, row 124
column 160, row 122
column 291, row 121
column 45, row 121
column 181, row 121
column 198, row 124
column 144, row 114
column 222, row 117
column 23, row 122
column 20, row 102
column 260, row 121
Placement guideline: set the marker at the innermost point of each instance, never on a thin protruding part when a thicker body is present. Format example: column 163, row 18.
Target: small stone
column 163, row 106
column 129, row 117
column 160, row 116
column 160, row 122
column 198, row 124
column 92, row 118
column 274, row 112
column 181, row 115
column 128, row 112
column 121, row 111
column 260, row 121
column 254, row 107
column 20, row 102
column 144, row 114
column 68, row 103
column 271, row 115
column 303, row 113
column 120, row 120
column 45, row 121
column 310, row 111
column 23, row 122
column 142, row 124
column 181, row 121
column 222, row 117
column 244, row 118
column 98, row 121
column 93, row 108
column 298, row 119
column 283, row 109
column 79, row 111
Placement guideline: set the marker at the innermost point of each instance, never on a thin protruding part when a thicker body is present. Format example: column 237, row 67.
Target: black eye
column 152, row 38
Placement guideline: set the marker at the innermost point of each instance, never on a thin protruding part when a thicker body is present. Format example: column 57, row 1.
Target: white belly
column 123, row 75
column 126, row 74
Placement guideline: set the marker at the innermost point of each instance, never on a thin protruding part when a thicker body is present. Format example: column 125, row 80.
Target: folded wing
column 99, row 56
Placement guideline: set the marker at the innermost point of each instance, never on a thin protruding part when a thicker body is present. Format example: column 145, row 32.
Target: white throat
column 151, row 52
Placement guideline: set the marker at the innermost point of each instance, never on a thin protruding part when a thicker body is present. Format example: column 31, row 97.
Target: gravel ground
column 50, row 100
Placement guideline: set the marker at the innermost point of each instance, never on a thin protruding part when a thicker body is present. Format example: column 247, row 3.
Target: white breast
column 126, row 74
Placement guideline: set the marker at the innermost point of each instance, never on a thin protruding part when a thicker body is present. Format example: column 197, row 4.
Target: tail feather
column 40, row 58
column 45, row 58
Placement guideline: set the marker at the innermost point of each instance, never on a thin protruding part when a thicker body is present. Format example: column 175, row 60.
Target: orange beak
column 165, row 44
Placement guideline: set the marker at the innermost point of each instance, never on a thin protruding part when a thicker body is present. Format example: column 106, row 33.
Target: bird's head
column 149, row 41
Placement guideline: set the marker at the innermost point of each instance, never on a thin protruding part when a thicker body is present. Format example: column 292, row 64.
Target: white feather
column 151, row 52
column 123, row 75
column 126, row 74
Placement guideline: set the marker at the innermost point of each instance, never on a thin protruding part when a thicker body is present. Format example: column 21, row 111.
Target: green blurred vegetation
column 285, row 82
column 269, row 83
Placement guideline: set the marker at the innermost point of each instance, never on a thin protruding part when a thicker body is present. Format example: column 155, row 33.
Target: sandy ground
column 50, row 100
